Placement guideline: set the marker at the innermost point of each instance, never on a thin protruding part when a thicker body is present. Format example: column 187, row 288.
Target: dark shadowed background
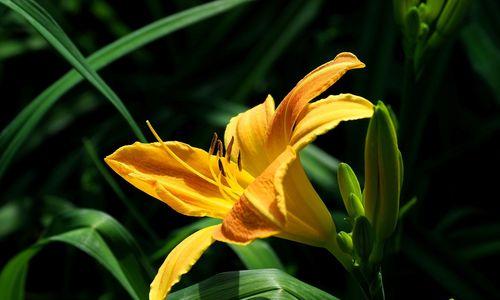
column 190, row 82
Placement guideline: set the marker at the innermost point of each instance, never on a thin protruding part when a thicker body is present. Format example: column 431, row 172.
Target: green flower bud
column 432, row 10
column 423, row 32
column 383, row 173
column 412, row 23
column 345, row 242
column 362, row 238
column 356, row 206
column 401, row 170
column 452, row 15
column 401, row 7
column 348, row 184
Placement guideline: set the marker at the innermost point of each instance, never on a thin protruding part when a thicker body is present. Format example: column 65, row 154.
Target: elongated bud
column 383, row 173
column 348, row 184
column 448, row 21
column 356, row 206
column 345, row 242
column 451, row 16
column 412, row 23
column 401, row 7
column 432, row 10
column 362, row 238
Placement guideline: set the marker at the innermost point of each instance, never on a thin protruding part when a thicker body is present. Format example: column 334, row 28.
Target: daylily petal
column 321, row 116
column 307, row 89
column 244, row 224
column 259, row 213
column 308, row 219
column 249, row 131
column 185, row 186
column 180, row 261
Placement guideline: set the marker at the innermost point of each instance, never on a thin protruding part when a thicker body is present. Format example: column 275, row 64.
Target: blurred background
column 190, row 81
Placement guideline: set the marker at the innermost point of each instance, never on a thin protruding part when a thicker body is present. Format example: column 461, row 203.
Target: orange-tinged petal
column 249, row 130
column 307, row 89
column 244, row 224
column 185, row 186
column 308, row 219
column 180, row 261
column 259, row 213
column 323, row 115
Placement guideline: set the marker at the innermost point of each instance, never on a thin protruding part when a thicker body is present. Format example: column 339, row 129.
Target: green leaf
column 484, row 56
column 253, row 284
column 19, row 129
column 50, row 30
column 98, row 235
column 13, row 276
column 258, row 255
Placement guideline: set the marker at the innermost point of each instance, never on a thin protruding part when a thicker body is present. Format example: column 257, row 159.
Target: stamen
column 225, row 194
column 230, row 179
column 239, row 161
column 212, row 144
column 220, row 150
column 221, row 168
column 229, row 148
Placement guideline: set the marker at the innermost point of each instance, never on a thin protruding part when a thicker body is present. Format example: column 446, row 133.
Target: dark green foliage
column 188, row 66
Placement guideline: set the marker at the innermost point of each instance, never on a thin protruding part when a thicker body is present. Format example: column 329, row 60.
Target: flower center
column 219, row 159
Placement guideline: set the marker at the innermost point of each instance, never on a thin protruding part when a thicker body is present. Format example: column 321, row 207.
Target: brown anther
column 229, row 148
column 220, row 148
column 221, row 168
column 239, row 161
column 212, row 144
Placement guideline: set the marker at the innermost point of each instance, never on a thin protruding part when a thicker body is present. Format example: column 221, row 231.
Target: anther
column 239, row 161
column 220, row 150
column 221, row 168
column 229, row 148
column 212, row 144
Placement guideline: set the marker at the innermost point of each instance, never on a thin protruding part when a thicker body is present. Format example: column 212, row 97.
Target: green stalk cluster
column 374, row 211
column 427, row 24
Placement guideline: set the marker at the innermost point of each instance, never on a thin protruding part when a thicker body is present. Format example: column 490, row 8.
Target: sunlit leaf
column 98, row 235
column 253, row 284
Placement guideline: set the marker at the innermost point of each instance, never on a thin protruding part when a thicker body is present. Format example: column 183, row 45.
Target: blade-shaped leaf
column 98, row 235
column 50, row 30
column 252, row 284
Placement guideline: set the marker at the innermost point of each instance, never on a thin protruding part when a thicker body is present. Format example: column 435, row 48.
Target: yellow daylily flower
column 255, row 184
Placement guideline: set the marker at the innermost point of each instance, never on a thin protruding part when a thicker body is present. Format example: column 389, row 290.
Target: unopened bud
column 451, row 16
column 345, row 242
column 432, row 10
column 412, row 23
column 362, row 238
column 383, row 173
column 348, row 184
column 356, row 206
column 401, row 7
